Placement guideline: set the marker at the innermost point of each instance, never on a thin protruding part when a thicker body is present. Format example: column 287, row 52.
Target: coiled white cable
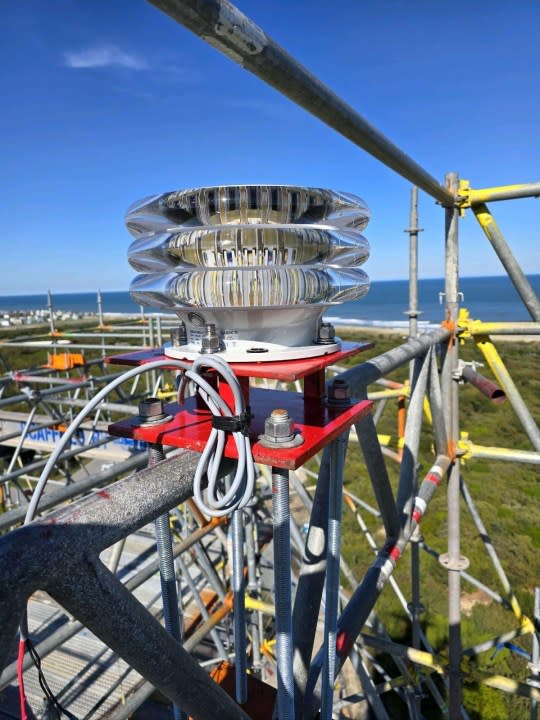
column 221, row 501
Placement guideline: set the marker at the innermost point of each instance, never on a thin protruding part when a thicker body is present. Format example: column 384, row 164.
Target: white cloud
column 100, row 57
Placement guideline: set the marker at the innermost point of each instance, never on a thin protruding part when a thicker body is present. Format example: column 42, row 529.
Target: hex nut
column 151, row 408
column 339, row 391
column 279, row 426
column 327, row 334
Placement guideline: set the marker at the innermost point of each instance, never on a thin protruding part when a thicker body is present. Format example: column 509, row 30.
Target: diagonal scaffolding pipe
column 310, row 585
column 505, row 255
column 364, row 597
column 223, row 26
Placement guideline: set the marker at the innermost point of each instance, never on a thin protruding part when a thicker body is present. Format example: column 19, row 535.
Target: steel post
column 282, row 591
column 100, row 309
column 450, row 398
column 223, row 26
column 413, row 231
column 51, row 312
column 510, row 264
column 167, row 573
column 335, row 503
column 239, row 617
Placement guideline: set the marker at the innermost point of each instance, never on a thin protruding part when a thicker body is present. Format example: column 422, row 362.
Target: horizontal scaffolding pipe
column 70, row 346
column 500, row 328
column 64, row 388
column 503, row 192
column 499, row 453
column 223, row 26
column 111, row 407
column 78, row 450
column 368, row 372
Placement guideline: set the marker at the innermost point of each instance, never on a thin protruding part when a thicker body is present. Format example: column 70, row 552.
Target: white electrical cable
column 220, row 501
column 208, row 460
column 74, row 426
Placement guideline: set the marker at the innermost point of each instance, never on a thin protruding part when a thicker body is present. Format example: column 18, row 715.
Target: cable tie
column 236, row 423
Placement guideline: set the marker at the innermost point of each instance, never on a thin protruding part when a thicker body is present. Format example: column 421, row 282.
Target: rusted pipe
column 486, row 386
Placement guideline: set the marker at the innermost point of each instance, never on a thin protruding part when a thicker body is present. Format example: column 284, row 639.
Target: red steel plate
column 287, row 370
column 190, row 427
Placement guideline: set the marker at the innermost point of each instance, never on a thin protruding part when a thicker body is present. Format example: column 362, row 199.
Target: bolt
column 327, row 334
column 278, row 427
column 179, row 335
column 210, row 342
column 339, row 392
column 151, row 410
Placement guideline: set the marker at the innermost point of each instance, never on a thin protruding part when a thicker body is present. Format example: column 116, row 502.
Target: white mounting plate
column 254, row 351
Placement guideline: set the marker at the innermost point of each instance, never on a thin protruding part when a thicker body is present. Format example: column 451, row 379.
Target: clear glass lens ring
column 250, row 288
column 248, row 246
column 247, row 204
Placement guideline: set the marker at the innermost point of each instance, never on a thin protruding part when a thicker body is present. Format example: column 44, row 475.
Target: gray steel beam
column 61, row 557
column 80, row 487
column 224, row 27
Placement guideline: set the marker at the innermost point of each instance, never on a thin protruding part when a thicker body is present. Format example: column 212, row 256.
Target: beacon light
column 254, row 265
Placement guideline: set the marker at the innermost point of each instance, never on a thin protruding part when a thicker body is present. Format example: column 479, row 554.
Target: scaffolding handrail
column 226, row 28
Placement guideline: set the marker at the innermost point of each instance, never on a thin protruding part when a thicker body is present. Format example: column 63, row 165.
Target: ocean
column 487, row 298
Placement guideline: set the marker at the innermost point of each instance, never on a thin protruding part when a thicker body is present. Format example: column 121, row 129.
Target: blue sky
column 107, row 102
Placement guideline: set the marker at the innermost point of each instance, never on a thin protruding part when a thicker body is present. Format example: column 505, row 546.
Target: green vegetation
column 506, row 496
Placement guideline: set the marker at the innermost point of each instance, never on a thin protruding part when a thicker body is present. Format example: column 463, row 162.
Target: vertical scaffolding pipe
column 51, row 312
column 100, row 308
column 450, row 397
column 413, row 231
column 282, row 590
column 510, row 264
column 335, row 501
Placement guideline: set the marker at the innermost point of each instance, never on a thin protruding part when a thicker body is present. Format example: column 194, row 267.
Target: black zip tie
column 236, row 423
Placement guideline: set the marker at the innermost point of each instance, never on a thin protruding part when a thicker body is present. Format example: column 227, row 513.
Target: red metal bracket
column 318, row 422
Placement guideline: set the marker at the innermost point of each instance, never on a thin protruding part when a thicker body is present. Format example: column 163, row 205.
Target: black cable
column 50, row 696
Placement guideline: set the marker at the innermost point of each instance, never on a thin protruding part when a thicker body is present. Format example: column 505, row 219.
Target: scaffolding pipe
column 413, row 231
column 510, row 264
column 486, row 386
column 450, row 398
column 497, row 453
column 224, row 27
column 80, row 450
column 360, row 376
column 503, row 192
column 476, row 327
